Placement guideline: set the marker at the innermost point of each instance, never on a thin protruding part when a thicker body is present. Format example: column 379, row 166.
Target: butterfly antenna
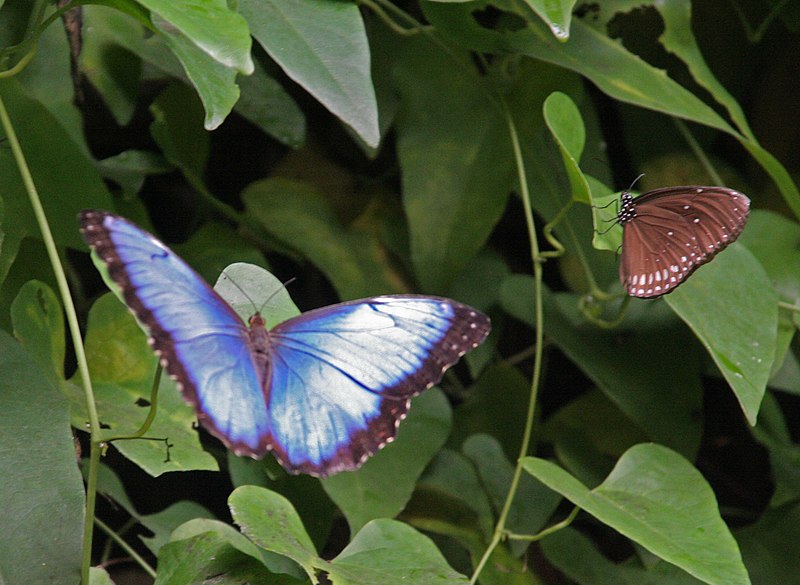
column 636, row 180
column 284, row 286
column 241, row 290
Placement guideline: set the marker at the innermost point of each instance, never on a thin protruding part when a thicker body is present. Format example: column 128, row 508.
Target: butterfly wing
column 202, row 343
column 674, row 231
column 341, row 377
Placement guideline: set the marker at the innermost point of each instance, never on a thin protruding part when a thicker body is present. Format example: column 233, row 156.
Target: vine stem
column 75, row 332
column 522, row 177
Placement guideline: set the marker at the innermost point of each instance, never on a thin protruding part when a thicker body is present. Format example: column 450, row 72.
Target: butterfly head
column 627, row 210
column 256, row 321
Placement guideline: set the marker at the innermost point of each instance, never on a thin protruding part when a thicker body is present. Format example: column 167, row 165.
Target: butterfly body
column 668, row 233
column 323, row 391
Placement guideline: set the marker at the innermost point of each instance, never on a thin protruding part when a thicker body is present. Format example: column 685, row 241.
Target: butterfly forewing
column 668, row 233
column 201, row 342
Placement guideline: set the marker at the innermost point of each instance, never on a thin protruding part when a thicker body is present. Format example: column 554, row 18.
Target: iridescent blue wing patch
column 341, row 377
column 323, row 390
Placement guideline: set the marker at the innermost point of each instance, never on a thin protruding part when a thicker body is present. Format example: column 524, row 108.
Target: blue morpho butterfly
column 323, row 390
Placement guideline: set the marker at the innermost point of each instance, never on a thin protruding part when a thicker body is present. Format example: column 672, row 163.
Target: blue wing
column 202, row 343
column 341, row 377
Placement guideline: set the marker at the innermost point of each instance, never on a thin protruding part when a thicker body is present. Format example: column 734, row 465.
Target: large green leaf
column 210, row 25
column 389, row 551
column 299, row 216
column 211, row 557
column 176, row 129
column 322, row 46
column 65, row 178
column 742, row 342
column 383, row 551
column 383, row 485
column 214, row 82
column 656, row 498
column 648, row 367
column 769, row 546
column 40, row 485
column 455, row 157
column 575, row 556
column 39, row 324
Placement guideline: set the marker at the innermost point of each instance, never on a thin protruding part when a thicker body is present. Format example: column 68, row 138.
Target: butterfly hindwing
column 202, row 343
column 345, row 373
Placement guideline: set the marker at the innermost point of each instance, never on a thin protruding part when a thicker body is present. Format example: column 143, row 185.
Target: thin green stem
column 547, row 531
column 74, row 328
column 126, row 547
column 522, row 177
column 698, row 151
column 382, row 9
column 150, row 415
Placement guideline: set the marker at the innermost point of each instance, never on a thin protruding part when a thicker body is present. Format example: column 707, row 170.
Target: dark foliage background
column 441, row 148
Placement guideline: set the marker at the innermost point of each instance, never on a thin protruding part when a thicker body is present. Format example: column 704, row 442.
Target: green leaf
column 296, row 214
column 215, row 83
column 130, row 169
column 564, row 121
column 122, row 367
column 388, row 551
column 99, row 576
column 774, row 240
column 176, row 128
column 741, row 342
column 266, row 104
column 679, row 39
column 270, row 521
column 249, row 289
column 160, row 524
column 657, row 499
column 303, row 491
column 40, row 486
column 275, row 563
column 103, row 57
column 769, row 546
column 575, row 556
column 216, row 246
column 455, row 158
column 323, row 47
column 486, row 408
column 648, row 367
column 605, row 61
column 48, row 80
column 211, row 26
column 773, row 433
column 557, row 14
column 209, row 557
column 384, row 484
column 115, row 30
column 451, row 495
column 533, row 503
column 39, row 324
column 65, row 178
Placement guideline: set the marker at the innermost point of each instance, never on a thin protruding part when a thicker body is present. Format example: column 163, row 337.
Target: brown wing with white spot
column 675, row 230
